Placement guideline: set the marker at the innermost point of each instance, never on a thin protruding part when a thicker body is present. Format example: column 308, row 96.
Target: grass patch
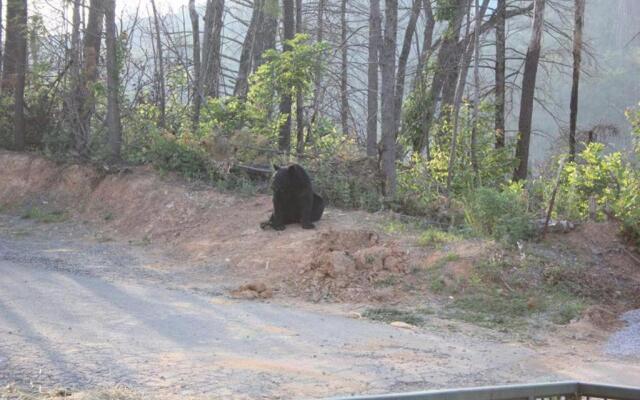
column 392, row 314
column 47, row 217
column 436, row 238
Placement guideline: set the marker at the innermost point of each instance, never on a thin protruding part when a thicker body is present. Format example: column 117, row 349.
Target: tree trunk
column 1, row 49
column 211, row 46
column 476, row 89
column 387, row 66
column 267, row 31
column 74, row 97
column 427, row 43
column 91, row 56
column 372, row 77
column 160, row 89
column 288, row 24
column 577, row 58
column 446, row 69
column 402, row 61
column 15, row 65
column 318, row 79
column 344, row 94
column 299, row 95
column 500, row 72
column 528, row 92
column 114, row 126
column 197, row 74
column 241, row 86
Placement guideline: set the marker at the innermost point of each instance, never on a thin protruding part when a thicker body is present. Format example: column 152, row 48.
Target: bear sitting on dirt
column 293, row 199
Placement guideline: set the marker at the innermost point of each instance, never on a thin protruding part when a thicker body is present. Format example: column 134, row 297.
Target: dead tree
column 15, row 65
column 211, row 47
column 159, row 71
column 90, row 58
column 288, row 25
column 387, row 67
column 577, row 58
column 197, row 75
column 372, row 77
column 114, row 124
column 528, row 92
column 500, row 83
column 344, row 94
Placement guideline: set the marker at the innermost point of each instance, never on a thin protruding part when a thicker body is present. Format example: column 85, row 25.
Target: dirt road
column 82, row 313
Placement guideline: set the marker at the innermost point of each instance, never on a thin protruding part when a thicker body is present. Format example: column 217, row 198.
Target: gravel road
column 81, row 314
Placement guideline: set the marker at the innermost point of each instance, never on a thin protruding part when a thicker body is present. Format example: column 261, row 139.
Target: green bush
column 502, row 215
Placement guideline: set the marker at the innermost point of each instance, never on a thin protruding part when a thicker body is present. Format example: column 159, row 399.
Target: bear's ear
column 292, row 168
column 275, row 167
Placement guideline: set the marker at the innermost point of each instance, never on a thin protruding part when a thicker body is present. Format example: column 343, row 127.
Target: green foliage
column 282, row 73
column 502, row 215
column 436, row 237
column 46, row 217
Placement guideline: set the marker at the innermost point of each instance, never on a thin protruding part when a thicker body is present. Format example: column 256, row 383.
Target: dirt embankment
column 345, row 258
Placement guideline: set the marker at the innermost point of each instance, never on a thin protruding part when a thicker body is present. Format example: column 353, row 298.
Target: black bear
column 293, row 199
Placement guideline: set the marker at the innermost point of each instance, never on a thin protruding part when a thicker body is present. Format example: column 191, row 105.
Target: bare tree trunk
column 500, row 72
column 427, row 42
column 288, row 24
column 299, row 96
column 15, row 65
column 114, row 125
column 577, row 58
column 241, row 86
column 318, row 80
column 446, row 69
column 1, row 50
column 267, row 31
column 476, row 90
column 74, row 97
column 211, row 47
column 91, row 56
column 344, row 94
column 197, row 74
column 402, row 61
column 160, row 89
column 372, row 77
column 387, row 66
column 528, row 92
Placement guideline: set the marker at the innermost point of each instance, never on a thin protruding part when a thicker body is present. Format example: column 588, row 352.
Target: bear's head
column 292, row 177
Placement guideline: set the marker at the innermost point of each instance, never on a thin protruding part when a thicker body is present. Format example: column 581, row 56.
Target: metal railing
column 546, row 391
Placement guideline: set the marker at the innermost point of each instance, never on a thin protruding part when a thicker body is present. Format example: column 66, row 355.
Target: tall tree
column 241, row 87
column 372, row 77
column 211, row 47
column 445, row 70
column 387, row 67
column 404, row 58
column 267, row 31
column 318, row 78
column 91, row 56
column 427, row 42
column 114, row 124
column 577, row 58
column 344, row 90
column 159, row 71
column 299, row 95
column 500, row 72
column 15, row 65
column 197, row 69
column 528, row 91
column 73, row 99
column 288, row 25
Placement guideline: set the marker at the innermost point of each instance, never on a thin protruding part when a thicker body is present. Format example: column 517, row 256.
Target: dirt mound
column 351, row 265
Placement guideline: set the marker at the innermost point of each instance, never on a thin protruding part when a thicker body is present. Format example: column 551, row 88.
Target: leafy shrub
column 502, row 215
